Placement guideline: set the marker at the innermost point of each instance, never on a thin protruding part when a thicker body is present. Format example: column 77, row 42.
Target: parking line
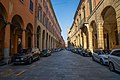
column 21, row 72
column 32, row 66
column 24, row 70
column 116, row 75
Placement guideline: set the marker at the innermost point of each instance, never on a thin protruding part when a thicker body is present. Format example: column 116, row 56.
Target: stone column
column 78, row 41
column 118, row 27
column 82, row 39
column 45, row 40
column 34, row 38
column 90, row 43
column 23, row 39
column 100, row 35
column 40, row 41
column 85, row 41
column 7, row 44
column 49, row 42
column 117, row 7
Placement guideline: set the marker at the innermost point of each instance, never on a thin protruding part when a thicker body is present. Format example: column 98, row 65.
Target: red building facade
column 29, row 24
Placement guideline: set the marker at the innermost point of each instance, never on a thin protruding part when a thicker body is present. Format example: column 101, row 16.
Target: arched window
column 39, row 14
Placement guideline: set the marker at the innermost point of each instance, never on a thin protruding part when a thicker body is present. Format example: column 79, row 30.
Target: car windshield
column 106, row 51
column 45, row 51
column 117, row 53
column 100, row 52
column 24, row 50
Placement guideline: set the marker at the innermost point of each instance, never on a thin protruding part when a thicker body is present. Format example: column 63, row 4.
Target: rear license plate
column 17, row 60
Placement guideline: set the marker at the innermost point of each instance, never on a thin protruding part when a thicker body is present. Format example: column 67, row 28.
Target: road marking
column 32, row 66
column 18, row 74
column 21, row 72
column 116, row 75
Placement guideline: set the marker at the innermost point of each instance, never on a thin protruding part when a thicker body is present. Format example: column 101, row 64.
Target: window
column 84, row 14
column 48, row 23
column 39, row 14
column 116, row 53
column 45, row 5
column 31, row 5
column 80, row 18
column 45, row 21
column 90, row 6
column 46, row 9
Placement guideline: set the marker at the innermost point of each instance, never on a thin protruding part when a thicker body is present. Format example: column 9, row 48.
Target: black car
column 86, row 53
column 26, row 56
column 45, row 53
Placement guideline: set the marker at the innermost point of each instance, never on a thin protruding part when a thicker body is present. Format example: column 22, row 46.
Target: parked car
column 78, row 51
column 45, row 53
column 100, row 56
column 86, row 52
column 74, row 50
column 114, row 60
column 26, row 56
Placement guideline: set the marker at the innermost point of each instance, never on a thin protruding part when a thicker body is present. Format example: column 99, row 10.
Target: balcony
column 82, row 23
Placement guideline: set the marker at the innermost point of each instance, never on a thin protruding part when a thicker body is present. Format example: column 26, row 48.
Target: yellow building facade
column 96, row 25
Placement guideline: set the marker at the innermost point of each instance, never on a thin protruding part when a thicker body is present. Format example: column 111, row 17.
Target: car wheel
column 83, row 54
column 30, row 61
column 38, row 57
column 93, row 58
column 101, row 61
column 111, row 67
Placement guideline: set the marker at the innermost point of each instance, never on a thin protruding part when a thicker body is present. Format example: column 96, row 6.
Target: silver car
column 114, row 60
column 100, row 56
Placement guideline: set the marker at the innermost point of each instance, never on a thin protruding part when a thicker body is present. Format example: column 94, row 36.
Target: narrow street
column 63, row 65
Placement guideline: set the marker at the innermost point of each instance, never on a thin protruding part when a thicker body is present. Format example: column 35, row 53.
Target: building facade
column 96, row 25
column 27, row 24
column 48, row 29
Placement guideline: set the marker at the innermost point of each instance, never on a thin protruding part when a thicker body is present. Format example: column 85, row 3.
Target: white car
column 101, row 56
column 114, row 60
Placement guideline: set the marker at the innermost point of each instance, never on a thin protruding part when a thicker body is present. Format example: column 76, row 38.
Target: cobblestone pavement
column 63, row 65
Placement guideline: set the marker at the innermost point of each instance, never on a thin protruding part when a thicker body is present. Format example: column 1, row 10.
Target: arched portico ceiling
column 85, row 30
column 29, row 28
column 38, row 30
column 3, row 16
column 109, row 16
column 93, row 26
column 3, row 11
column 109, row 27
column 17, row 22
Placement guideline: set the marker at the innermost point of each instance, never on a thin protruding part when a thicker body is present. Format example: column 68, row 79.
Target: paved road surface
column 63, row 65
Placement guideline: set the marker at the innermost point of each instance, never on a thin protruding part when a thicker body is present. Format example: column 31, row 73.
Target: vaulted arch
column 3, row 18
column 110, row 31
column 29, row 35
column 16, row 30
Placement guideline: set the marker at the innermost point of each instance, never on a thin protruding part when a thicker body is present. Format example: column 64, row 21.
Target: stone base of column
column 7, row 58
